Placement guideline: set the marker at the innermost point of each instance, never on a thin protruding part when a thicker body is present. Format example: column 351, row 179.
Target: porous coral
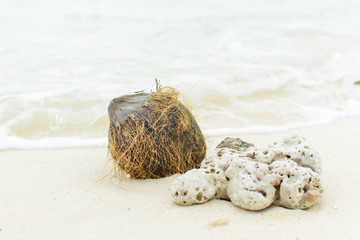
column 285, row 173
column 154, row 135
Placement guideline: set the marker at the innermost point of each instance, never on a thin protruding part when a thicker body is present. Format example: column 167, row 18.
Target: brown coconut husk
column 154, row 135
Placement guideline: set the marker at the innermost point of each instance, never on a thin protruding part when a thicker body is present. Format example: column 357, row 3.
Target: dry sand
column 58, row 194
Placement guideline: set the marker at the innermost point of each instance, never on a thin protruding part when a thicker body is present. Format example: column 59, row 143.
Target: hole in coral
column 217, row 172
column 288, row 176
column 311, row 155
column 228, row 179
column 176, row 194
column 266, row 152
column 277, row 193
column 250, row 155
column 184, row 201
column 309, row 179
column 306, row 188
column 263, row 193
column 288, row 156
column 212, row 170
column 185, row 193
column 199, row 196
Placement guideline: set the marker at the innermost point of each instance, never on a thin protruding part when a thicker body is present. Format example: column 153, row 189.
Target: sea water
column 242, row 66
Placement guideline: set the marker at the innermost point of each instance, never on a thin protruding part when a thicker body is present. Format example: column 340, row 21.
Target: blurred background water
column 243, row 66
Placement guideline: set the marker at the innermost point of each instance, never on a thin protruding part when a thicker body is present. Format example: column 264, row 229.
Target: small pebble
column 219, row 222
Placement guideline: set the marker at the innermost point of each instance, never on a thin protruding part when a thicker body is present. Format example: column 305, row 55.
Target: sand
column 59, row 194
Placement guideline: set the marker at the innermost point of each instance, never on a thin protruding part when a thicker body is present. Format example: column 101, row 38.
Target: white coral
column 250, row 184
column 196, row 186
column 285, row 173
column 298, row 187
column 296, row 149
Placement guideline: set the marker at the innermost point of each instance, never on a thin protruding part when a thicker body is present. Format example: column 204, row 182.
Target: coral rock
column 250, row 184
column 197, row 186
column 298, row 187
column 285, row 173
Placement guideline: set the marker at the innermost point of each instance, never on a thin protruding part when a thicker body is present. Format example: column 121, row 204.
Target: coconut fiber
column 153, row 135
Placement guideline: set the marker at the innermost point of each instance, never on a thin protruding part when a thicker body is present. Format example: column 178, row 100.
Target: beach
column 61, row 194
column 258, row 70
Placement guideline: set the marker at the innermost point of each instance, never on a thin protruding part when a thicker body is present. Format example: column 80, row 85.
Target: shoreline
column 60, row 194
column 17, row 143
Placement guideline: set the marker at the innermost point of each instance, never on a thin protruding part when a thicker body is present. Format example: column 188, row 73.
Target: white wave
column 9, row 143
column 316, row 116
column 246, row 130
column 242, row 70
column 319, row 116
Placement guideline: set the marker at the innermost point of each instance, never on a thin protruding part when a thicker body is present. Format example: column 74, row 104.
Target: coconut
column 153, row 135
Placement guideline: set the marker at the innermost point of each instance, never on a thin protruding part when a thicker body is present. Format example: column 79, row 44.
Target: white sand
column 56, row 194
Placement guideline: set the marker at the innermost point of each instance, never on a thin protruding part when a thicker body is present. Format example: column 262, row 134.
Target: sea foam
column 242, row 67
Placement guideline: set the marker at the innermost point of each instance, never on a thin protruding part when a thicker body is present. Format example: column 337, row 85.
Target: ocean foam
column 320, row 116
column 241, row 70
column 9, row 143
